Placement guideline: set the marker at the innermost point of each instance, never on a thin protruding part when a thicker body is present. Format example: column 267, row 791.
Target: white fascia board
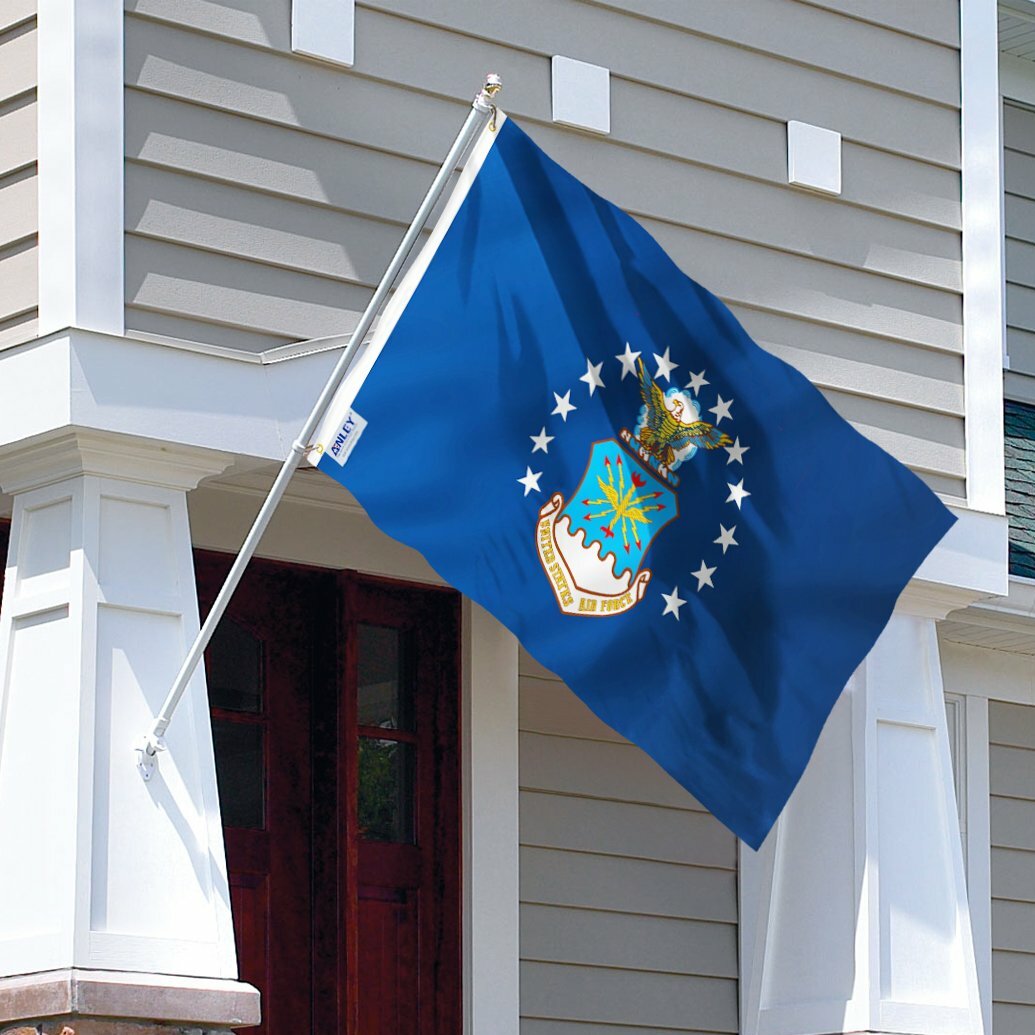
column 972, row 557
column 81, row 130
column 193, row 398
column 189, row 397
column 35, row 389
column 984, row 319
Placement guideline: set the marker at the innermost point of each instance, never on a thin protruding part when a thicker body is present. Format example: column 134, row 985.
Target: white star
column 697, row 382
column 704, row 576
column 530, row 481
column 673, row 602
column 737, row 493
column 722, row 411
column 564, row 406
column 726, row 539
column 542, row 441
column 736, row 452
column 628, row 360
column 592, row 377
column 665, row 366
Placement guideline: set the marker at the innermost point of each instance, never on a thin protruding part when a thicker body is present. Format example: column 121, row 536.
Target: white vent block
column 813, row 157
column 324, row 29
column 581, row 94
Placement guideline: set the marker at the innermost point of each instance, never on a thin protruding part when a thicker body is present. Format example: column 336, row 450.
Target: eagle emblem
column 670, row 429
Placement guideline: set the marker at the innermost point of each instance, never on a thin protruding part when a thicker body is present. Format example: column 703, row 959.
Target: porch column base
column 99, row 1002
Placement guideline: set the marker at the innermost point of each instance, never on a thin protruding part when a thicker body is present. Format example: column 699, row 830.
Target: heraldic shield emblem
column 592, row 547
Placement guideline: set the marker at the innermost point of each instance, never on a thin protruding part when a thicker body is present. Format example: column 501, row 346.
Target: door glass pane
column 385, row 692
column 239, row 771
column 233, row 666
column 385, row 790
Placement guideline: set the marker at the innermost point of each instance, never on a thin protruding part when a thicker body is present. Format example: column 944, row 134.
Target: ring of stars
column 593, row 379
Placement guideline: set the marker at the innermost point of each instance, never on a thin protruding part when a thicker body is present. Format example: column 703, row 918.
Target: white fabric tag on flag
column 347, row 436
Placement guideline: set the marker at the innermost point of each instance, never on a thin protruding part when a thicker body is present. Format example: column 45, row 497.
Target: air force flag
column 587, row 443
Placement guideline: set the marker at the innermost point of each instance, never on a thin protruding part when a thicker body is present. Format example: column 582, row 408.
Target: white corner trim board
column 490, row 835
column 80, row 125
column 324, row 29
column 984, row 319
column 813, row 157
column 581, row 94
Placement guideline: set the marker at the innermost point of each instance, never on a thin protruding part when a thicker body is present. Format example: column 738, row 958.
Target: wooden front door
column 335, row 722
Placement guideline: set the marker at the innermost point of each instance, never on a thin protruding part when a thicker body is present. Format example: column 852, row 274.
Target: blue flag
column 586, row 442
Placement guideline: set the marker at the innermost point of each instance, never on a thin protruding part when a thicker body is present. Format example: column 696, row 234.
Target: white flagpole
column 482, row 109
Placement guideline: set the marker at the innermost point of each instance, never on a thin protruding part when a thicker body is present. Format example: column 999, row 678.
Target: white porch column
column 854, row 911
column 98, row 869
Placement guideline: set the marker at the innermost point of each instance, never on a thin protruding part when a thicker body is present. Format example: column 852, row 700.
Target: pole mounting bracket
column 147, row 755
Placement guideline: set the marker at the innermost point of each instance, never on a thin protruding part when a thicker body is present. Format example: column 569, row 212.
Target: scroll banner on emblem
column 587, row 443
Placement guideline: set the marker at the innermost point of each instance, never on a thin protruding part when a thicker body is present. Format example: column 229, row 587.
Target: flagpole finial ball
column 484, row 101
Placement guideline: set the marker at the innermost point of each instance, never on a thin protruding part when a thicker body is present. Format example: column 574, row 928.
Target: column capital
column 78, row 451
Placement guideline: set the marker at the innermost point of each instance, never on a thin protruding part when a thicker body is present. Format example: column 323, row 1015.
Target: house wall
column 265, row 192
column 1012, row 725
column 1019, row 212
column 1012, row 772
column 628, row 887
column 19, row 222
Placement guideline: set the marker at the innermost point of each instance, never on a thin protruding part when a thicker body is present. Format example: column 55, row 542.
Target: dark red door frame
column 382, row 938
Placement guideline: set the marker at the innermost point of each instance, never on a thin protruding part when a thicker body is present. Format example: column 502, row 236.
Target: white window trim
column 968, row 728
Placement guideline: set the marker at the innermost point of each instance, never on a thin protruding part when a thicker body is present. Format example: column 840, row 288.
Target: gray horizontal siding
column 935, row 20
column 628, row 887
column 19, row 218
column 1019, row 214
column 553, row 991
column 266, row 192
column 1012, row 776
column 822, row 40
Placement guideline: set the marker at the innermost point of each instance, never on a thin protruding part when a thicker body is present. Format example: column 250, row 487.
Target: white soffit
column 581, row 94
column 1017, row 28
